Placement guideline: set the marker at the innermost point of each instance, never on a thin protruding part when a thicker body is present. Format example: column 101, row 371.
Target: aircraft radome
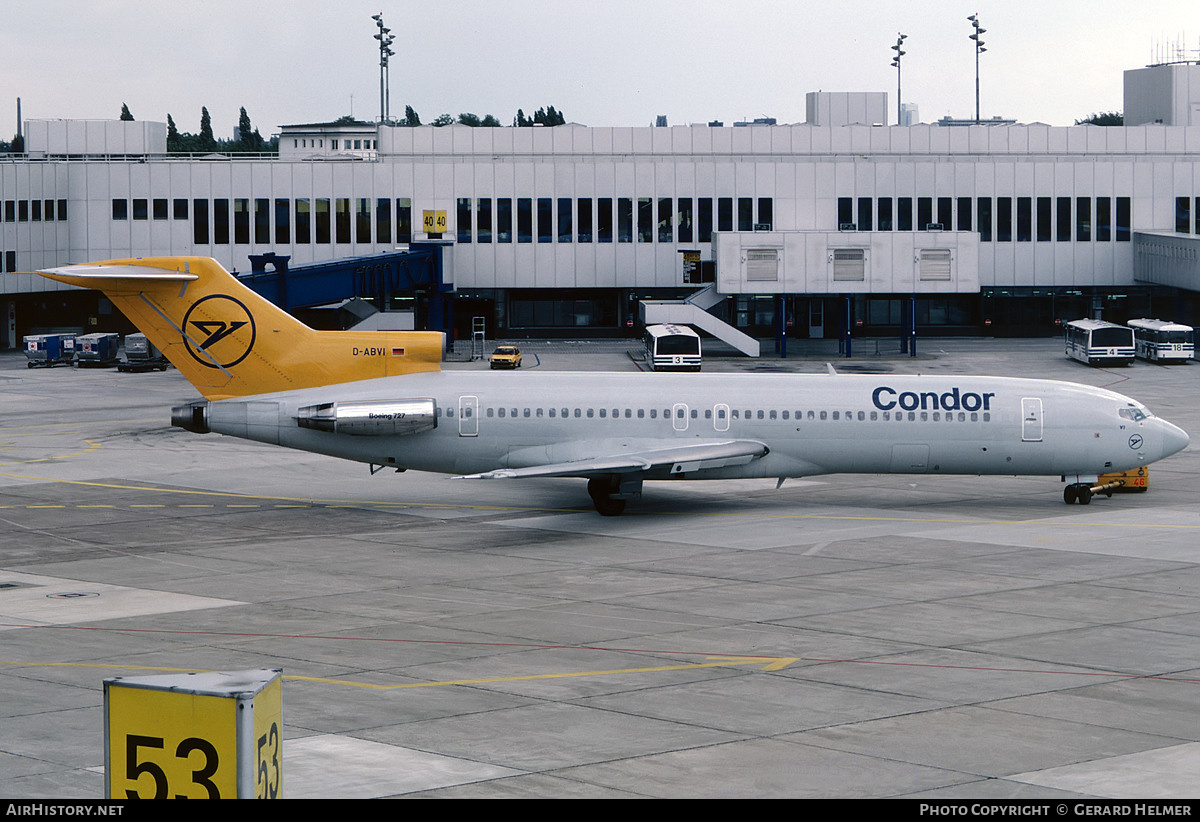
column 380, row 397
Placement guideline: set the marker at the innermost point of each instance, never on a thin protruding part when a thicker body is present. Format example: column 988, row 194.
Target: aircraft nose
column 1174, row 439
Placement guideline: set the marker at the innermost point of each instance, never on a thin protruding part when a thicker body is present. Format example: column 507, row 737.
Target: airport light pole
column 979, row 49
column 900, row 52
column 385, row 39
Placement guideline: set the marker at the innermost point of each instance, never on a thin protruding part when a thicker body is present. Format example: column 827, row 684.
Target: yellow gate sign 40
column 194, row 736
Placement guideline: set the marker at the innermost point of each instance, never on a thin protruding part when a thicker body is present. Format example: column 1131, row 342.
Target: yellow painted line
column 92, row 446
column 770, row 663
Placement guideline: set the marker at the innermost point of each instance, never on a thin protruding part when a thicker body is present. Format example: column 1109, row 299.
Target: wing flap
column 677, row 459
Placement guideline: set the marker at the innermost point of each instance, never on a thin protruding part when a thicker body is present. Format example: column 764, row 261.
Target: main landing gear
column 609, row 493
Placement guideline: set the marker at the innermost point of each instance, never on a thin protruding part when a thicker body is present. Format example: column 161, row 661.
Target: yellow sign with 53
column 194, row 736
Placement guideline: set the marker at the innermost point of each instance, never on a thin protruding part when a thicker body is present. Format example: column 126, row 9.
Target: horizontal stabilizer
column 101, row 276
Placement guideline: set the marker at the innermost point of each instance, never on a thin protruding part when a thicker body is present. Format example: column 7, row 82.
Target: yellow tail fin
column 230, row 342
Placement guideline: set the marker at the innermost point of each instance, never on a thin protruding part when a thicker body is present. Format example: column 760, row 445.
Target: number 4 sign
column 194, row 736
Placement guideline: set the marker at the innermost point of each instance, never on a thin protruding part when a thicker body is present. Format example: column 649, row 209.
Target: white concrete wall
column 803, row 169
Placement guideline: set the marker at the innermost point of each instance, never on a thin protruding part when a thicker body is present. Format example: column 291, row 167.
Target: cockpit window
column 1134, row 413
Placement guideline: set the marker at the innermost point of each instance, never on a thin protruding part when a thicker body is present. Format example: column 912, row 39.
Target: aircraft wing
column 669, row 457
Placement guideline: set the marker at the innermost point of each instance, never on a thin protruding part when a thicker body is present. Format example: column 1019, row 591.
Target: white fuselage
column 810, row 424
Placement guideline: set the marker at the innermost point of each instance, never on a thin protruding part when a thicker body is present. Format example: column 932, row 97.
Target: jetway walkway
column 694, row 311
column 424, row 268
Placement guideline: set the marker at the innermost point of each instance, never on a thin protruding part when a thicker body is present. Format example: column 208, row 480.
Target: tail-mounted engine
column 372, row 418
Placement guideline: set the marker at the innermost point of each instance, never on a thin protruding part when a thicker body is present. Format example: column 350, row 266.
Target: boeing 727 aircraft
column 380, row 398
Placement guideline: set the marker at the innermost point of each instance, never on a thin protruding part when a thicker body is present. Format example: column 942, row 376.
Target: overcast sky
column 601, row 62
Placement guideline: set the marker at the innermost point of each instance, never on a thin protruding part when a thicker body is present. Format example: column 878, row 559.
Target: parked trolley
column 1097, row 342
column 1162, row 341
column 141, row 355
column 97, row 349
column 49, row 350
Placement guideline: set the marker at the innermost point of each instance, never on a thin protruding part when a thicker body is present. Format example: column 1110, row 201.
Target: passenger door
column 468, row 416
column 1031, row 419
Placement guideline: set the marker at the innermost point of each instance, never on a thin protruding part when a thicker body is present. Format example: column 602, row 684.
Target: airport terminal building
column 806, row 229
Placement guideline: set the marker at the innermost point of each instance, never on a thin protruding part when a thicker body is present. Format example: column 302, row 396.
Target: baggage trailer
column 141, row 355
column 49, row 350
column 97, row 350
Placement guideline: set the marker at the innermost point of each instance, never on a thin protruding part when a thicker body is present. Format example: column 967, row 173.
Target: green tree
column 443, row 120
column 1105, row 118
column 206, row 141
column 174, row 141
column 548, row 116
column 411, row 118
column 126, row 115
column 474, row 120
column 248, row 137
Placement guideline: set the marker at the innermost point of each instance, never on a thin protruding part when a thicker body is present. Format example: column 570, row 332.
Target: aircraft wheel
column 1069, row 494
column 609, row 507
column 599, row 490
column 1085, row 495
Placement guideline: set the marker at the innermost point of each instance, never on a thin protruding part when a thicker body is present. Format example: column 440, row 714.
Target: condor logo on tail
column 219, row 331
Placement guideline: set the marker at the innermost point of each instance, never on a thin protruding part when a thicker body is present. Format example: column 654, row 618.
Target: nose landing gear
column 1082, row 492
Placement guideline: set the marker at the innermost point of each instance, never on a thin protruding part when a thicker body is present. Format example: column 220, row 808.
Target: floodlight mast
column 979, row 49
column 900, row 52
column 385, row 39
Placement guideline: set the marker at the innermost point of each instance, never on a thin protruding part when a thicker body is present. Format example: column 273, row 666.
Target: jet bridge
column 424, row 270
